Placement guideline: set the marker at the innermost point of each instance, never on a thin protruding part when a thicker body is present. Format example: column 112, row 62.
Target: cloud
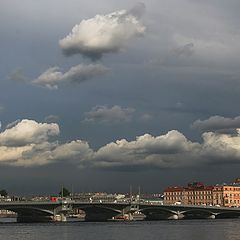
column 78, row 151
column 29, row 143
column 172, row 150
column 109, row 115
column 52, row 77
column 104, row 33
column 221, row 148
column 217, row 123
column 168, row 150
column 27, row 132
column 12, row 155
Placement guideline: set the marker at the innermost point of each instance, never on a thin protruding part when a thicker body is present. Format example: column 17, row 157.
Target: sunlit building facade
column 194, row 194
column 226, row 195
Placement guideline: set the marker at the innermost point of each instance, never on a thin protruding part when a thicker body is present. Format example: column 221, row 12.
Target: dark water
column 164, row 230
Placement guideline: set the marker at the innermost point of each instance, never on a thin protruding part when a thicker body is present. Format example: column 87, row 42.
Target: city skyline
column 121, row 93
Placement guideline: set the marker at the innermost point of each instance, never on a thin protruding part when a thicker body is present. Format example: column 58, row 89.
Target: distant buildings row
column 196, row 193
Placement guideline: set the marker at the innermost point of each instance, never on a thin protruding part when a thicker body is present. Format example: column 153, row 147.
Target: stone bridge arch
column 198, row 214
column 100, row 212
column 31, row 214
column 159, row 213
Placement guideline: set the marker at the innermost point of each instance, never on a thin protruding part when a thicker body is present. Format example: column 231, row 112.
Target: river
column 218, row 229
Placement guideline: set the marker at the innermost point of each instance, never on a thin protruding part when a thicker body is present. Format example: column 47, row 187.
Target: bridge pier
column 176, row 216
column 212, row 217
column 59, row 218
column 173, row 217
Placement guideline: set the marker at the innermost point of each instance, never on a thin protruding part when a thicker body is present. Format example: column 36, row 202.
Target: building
column 194, row 193
column 227, row 195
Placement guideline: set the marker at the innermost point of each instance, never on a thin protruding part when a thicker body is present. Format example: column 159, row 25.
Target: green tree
column 64, row 192
column 3, row 193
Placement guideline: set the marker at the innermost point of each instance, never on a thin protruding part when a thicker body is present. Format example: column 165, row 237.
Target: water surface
column 218, row 229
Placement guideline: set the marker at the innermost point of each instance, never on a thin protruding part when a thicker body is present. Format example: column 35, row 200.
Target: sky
column 99, row 97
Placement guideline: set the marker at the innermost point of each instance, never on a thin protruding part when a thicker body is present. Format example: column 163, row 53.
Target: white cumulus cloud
column 169, row 150
column 104, row 33
column 29, row 143
column 27, row 132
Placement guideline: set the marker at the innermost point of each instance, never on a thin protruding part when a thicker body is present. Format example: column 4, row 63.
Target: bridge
column 34, row 211
column 163, row 212
column 31, row 211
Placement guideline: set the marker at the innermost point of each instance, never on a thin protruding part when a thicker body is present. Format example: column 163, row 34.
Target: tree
column 3, row 193
column 64, row 192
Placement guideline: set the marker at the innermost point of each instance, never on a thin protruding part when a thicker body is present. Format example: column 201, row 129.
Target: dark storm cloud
column 183, row 37
column 109, row 115
column 115, row 115
column 104, row 33
column 192, row 48
column 52, row 77
column 217, row 123
column 230, row 131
